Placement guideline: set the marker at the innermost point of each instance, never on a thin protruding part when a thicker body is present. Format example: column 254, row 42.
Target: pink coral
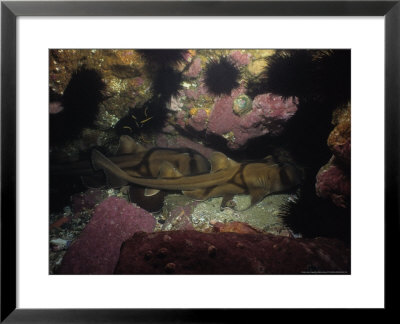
column 240, row 58
column 275, row 106
column 192, row 94
column 194, row 69
column 180, row 119
column 87, row 200
column 268, row 115
column 222, row 118
column 96, row 251
column 199, row 121
column 238, row 91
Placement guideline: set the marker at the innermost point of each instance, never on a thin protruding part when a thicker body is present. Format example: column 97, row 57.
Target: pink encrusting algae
column 96, row 251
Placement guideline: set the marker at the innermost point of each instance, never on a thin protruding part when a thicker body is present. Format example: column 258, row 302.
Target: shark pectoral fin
column 148, row 192
column 167, row 170
column 198, row 194
column 256, row 194
column 128, row 145
column 226, row 198
column 220, row 161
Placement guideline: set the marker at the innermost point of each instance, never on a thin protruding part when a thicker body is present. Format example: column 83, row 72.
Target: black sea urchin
column 80, row 100
column 166, row 83
column 221, row 76
column 333, row 77
column 163, row 57
column 290, row 73
column 312, row 216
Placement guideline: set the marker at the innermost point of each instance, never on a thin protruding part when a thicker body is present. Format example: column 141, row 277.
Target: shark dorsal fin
column 128, row 145
column 220, row 161
column 167, row 170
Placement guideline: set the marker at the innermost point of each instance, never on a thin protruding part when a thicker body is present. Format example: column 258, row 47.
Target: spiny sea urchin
column 166, row 83
column 333, row 77
column 311, row 75
column 163, row 57
column 312, row 217
column 290, row 73
column 80, row 100
column 221, row 76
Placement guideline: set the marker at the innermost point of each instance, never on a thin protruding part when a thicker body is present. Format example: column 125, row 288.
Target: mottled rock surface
column 333, row 179
column 182, row 213
column 96, row 251
column 334, row 183
column 191, row 252
column 339, row 140
column 268, row 115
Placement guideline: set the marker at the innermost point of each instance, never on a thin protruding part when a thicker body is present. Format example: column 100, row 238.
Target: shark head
column 263, row 179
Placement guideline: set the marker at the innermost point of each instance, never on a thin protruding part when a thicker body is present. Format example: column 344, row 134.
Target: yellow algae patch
column 193, row 111
column 257, row 66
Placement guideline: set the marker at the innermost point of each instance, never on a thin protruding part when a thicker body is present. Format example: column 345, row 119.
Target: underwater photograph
column 199, row 161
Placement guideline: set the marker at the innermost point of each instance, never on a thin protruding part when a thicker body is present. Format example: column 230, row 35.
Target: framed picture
column 150, row 82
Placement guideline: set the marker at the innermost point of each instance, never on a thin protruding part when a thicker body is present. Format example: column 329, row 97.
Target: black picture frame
column 10, row 10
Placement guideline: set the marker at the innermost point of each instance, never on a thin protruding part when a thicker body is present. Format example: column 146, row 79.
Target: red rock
column 96, row 251
column 230, row 253
column 333, row 183
column 61, row 221
column 339, row 141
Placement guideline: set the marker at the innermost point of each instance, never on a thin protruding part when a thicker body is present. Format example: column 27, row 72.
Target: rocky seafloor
column 178, row 213
column 86, row 236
